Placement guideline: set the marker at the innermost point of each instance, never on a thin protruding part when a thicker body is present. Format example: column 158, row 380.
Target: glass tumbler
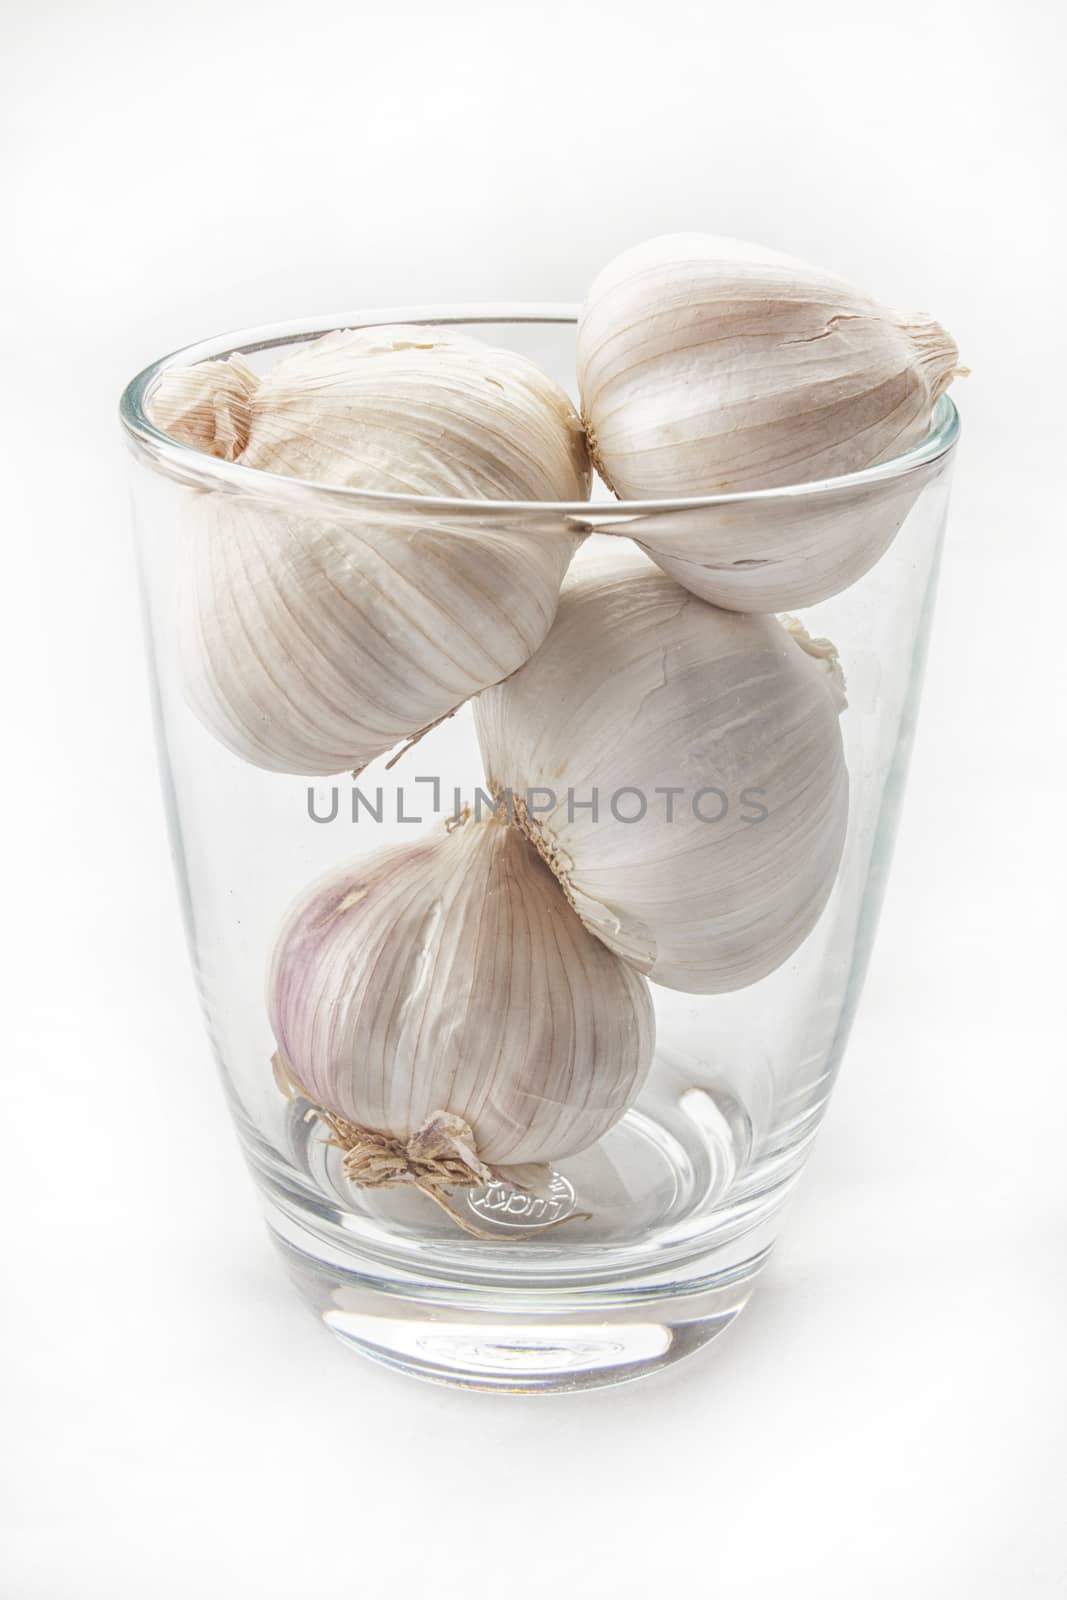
column 646, row 1246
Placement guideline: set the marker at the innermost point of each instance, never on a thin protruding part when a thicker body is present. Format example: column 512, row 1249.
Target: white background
column 888, row 1417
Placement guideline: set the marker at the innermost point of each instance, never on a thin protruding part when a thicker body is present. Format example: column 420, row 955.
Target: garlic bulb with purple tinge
column 449, row 985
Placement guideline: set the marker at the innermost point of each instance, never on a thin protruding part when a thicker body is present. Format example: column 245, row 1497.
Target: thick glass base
column 638, row 1253
column 559, row 1347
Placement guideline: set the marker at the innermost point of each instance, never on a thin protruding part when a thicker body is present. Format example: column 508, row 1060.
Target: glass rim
column 188, row 464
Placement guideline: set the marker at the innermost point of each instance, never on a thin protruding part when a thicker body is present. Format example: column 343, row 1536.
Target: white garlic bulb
column 444, row 1001
column 710, row 366
column 709, row 741
column 314, row 642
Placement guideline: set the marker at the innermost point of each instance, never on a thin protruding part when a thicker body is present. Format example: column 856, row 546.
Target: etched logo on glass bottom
column 514, row 1208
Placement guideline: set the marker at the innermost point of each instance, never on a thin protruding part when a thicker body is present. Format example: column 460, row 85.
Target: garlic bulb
column 710, row 366
column 443, row 1002
column 681, row 770
column 313, row 642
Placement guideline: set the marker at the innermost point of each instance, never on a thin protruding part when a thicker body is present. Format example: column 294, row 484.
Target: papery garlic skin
column 641, row 687
column 711, row 366
column 312, row 643
column 798, row 549
column 208, row 406
column 452, row 976
column 408, row 410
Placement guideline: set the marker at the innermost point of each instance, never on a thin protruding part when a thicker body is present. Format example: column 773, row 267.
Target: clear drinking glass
column 674, row 1211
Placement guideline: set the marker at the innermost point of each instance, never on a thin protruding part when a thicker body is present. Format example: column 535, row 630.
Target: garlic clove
column 314, row 643
column 709, row 366
column 448, row 986
column 641, row 689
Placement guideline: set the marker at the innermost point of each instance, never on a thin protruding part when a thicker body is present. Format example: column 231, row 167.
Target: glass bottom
column 641, row 1251
column 555, row 1351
